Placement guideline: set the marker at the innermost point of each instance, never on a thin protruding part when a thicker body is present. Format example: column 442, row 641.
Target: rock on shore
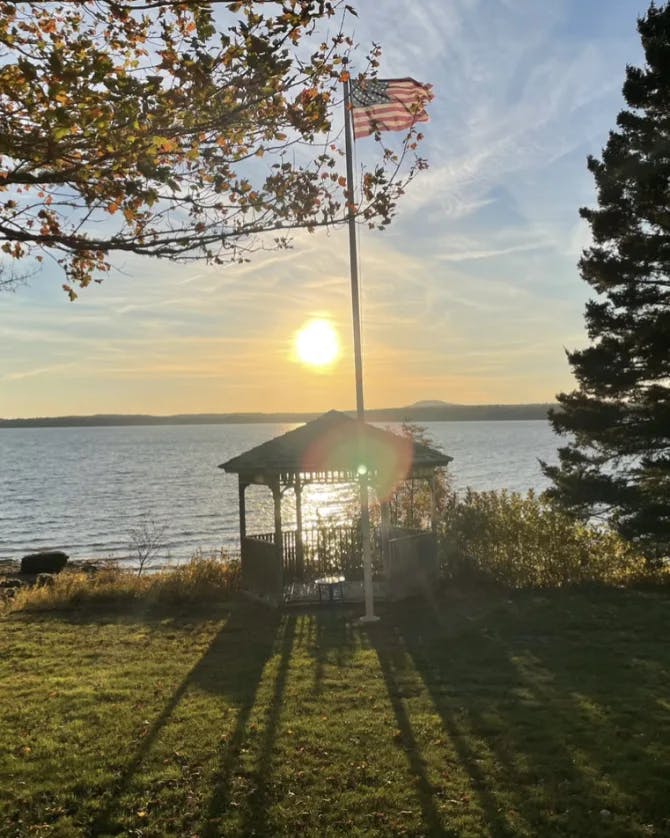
column 47, row 561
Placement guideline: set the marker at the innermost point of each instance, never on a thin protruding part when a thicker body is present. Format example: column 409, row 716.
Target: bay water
column 84, row 490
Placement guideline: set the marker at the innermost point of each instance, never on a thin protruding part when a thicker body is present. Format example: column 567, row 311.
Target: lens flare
column 316, row 344
column 385, row 458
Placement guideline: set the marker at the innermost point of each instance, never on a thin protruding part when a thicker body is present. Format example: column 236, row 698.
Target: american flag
column 388, row 104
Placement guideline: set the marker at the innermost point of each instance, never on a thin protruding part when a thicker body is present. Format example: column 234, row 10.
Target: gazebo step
column 298, row 593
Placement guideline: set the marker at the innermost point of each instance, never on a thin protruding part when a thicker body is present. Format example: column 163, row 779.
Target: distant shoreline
column 411, row 413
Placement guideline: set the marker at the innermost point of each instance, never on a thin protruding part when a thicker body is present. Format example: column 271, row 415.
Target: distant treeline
column 459, row 413
column 441, row 413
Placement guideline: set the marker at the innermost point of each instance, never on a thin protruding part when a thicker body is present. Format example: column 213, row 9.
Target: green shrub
column 524, row 541
column 204, row 577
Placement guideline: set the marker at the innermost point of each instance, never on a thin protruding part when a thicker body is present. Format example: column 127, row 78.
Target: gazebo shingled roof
column 332, row 444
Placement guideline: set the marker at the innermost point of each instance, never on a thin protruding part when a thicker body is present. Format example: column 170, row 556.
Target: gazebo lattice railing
column 326, row 550
column 333, row 449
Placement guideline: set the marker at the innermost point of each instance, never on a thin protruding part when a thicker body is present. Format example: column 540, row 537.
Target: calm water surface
column 85, row 489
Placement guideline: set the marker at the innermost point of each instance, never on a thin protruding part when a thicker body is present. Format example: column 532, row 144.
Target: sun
column 317, row 344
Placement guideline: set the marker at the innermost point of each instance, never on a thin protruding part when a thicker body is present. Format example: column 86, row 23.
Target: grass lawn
column 477, row 714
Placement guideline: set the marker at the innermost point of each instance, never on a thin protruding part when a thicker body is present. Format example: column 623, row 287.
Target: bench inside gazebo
column 284, row 565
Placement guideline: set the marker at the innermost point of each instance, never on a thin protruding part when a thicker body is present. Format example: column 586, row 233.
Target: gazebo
column 334, row 448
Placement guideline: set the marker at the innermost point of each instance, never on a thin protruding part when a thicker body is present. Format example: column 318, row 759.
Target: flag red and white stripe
column 388, row 104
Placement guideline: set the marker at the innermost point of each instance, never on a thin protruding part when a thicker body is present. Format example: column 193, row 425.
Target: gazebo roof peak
column 336, row 444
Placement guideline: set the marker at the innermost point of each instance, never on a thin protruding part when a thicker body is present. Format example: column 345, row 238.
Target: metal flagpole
column 358, row 361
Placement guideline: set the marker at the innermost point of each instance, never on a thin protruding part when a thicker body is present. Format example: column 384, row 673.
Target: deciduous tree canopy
column 618, row 461
column 173, row 129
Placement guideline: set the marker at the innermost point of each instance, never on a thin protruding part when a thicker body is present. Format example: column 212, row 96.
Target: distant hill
column 430, row 403
column 423, row 411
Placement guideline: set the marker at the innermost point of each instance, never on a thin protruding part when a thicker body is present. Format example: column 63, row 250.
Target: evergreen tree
column 617, row 462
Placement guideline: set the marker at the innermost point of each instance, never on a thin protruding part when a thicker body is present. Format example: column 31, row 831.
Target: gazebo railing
column 411, row 566
column 327, row 551
column 267, row 537
column 261, row 573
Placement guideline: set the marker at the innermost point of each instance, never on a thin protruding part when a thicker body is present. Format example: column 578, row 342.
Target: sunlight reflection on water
column 320, row 504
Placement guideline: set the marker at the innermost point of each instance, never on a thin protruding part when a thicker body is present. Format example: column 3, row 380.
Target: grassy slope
column 491, row 715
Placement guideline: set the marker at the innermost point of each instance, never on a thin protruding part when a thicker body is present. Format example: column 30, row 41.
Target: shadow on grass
column 328, row 635
column 254, row 821
column 331, row 641
column 437, row 665
column 509, row 687
column 391, row 662
column 157, row 615
column 554, row 704
column 222, row 670
column 607, row 680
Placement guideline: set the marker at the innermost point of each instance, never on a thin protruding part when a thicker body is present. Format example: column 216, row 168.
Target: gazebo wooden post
column 434, row 521
column 275, row 486
column 432, row 482
column 241, row 488
column 299, row 547
column 385, row 509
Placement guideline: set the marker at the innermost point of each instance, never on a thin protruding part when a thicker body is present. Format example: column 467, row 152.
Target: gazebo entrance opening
column 284, row 565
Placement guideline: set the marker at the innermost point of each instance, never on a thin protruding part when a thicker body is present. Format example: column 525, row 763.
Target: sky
column 471, row 296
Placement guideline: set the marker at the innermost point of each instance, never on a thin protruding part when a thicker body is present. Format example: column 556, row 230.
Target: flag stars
column 369, row 93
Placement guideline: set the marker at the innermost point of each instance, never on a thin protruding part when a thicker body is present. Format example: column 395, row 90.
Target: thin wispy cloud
column 21, row 375
column 474, row 253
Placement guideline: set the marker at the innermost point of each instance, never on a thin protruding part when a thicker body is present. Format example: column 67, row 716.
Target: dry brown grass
column 203, row 578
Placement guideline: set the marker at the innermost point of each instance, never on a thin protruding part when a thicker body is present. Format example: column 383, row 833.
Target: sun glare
column 317, row 344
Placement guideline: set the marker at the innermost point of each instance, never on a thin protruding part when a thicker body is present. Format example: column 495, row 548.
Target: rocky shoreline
column 13, row 578
column 10, row 568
